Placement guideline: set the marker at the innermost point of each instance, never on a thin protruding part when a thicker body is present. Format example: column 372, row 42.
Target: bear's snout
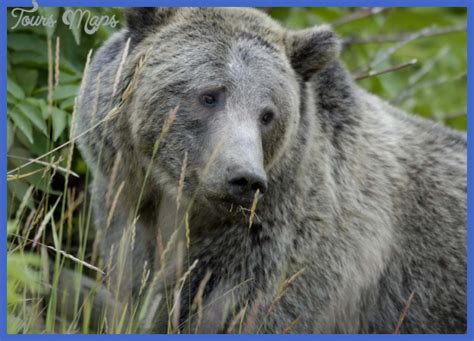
column 242, row 184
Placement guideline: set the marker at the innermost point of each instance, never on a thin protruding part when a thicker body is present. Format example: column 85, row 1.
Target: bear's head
column 232, row 80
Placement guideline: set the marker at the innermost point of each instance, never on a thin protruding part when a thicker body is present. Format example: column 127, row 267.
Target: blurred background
column 415, row 58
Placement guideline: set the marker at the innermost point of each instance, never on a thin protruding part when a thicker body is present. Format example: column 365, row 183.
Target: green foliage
column 23, row 281
column 435, row 87
column 36, row 123
column 41, row 91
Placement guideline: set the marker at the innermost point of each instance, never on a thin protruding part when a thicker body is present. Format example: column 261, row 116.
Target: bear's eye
column 209, row 100
column 267, row 117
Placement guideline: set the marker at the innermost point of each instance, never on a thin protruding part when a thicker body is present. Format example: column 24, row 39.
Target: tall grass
column 59, row 285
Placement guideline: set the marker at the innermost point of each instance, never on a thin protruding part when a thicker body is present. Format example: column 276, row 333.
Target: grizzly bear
column 244, row 183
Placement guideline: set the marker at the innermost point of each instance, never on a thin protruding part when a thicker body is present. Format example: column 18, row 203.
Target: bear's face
column 234, row 91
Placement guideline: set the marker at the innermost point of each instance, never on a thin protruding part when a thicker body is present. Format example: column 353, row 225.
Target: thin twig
column 392, row 38
column 384, row 55
column 428, row 84
column 418, row 75
column 359, row 14
column 391, row 69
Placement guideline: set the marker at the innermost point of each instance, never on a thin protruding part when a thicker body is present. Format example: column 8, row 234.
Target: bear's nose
column 243, row 184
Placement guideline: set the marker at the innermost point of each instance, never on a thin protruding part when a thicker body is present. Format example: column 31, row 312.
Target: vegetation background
column 414, row 58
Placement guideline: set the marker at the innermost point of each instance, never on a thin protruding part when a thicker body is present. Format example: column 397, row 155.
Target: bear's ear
column 141, row 21
column 312, row 49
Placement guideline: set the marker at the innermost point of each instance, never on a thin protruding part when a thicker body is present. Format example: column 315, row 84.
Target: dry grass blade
column 181, row 180
column 64, row 254
column 148, row 320
column 53, row 165
column 74, row 202
column 168, row 122
column 238, row 319
column 22, row 176
column 175, row 310
column 252, row 317
column 145, row 275
column 293, row 324
column 113, row 207
column 198, row 299
column 120, row 67
column 77, row 260
column 45, row 222
column 23, row 204
column 404, row 313
column 136, row 76
column 113, row 177
column 164, row 132
column 222, row 296
column 253, row 208
column 188, row 230
column 84, row 80
column 56, row 69
column 50, row 77
column 285, row 287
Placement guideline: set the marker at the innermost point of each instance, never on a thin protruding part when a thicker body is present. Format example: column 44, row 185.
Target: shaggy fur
column 365, row 203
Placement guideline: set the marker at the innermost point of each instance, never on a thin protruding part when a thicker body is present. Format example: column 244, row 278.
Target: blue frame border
column 258, row 3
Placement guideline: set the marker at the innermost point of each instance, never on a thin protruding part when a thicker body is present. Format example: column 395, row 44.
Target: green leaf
column 65, row 77
column 40, row 60
column 59, row 122
column 18, row 189
column 27, row 79
column 35, row 116
column 34, row 59
column 14, row 89
column 39, row 147
column 68, row 104
column 26, row 42
column 65, row 91
column 11, row 100
column 41, row 105
column 23, row 123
